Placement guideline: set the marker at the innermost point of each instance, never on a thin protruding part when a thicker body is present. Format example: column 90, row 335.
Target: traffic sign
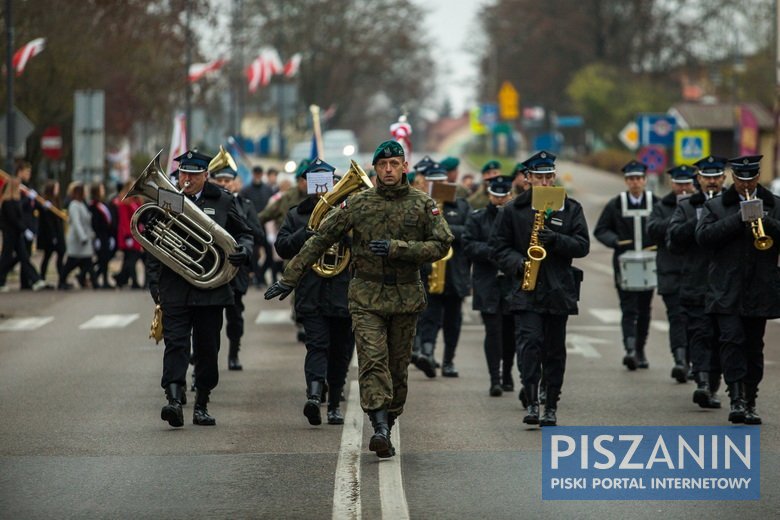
column 488, row 114
column 654, row 157
column 508, row 101
column 691, row 145
column 533, row 113
column 51, row 143
column 476, row 126
column 629, row 136
column 656, row 129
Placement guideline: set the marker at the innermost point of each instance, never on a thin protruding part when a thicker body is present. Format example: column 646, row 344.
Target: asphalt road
column 81, row 437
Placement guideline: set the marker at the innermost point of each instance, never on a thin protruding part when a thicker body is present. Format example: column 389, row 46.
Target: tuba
column 186, row 240
column 336, row 258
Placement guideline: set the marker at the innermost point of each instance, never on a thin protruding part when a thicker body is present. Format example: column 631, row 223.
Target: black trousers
column 103, row 256
column 444, row 311
column 742, row 348
column 703, row 337
column 329, row 345
column 541, row 345
column 127, row 272
column 197, row 327
column 85, row 268
column 499, row 345
column 234, row 315
column 59, row 250
column 635, row 307
column 15, row 249
column 678, row 327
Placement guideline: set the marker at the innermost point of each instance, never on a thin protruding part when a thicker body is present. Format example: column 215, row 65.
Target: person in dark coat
column 259, row 193
column 615, row 229
column 445, row 309
column 702, row 329
column 234, row 314
column 541, row 313
column 743, row 279
column 15, row 234
column 104, row 226
column 192, row 312
column 51, row 231
column 669, row 266
column 321, row 306
column 490, row 288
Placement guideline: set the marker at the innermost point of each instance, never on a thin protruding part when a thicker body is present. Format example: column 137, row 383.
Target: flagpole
column 10, row 129
column 188, row 57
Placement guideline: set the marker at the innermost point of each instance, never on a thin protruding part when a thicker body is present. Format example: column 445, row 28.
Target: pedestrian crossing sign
column 691, row 145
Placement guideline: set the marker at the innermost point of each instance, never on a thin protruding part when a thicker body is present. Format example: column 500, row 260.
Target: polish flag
column 23, row 55
column 262, row 68
column 401, row 132
column 198, row 70
column 178, row 140
column 292, row 65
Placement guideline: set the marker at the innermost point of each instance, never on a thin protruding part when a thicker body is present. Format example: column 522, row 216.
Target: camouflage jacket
column 417, row 232
column 479, row 199
column 278, row 209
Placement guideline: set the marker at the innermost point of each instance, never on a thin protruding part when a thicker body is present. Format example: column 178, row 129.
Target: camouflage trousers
column 384, row 347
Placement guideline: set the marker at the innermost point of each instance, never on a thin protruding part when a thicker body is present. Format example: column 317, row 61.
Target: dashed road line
column 108, row 321
column 273, row 317
column 21, row 324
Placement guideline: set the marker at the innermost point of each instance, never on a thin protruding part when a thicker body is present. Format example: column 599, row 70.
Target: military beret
column 300, row 171
column 634, row 169
column 388, row 149
column 541, row 162
column 491, row 165
column 450, row 163
column 711, row 166
column 193, row 161
column 746, row 167
column 682, row 174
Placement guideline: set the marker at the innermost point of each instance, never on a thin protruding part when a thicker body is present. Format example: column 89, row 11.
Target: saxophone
column 536, row 253
column 438, row 270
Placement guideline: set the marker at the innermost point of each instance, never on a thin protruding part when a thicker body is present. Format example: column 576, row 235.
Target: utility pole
column 10, row 127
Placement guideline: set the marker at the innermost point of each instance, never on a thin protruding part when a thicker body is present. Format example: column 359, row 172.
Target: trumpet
column 761, row 241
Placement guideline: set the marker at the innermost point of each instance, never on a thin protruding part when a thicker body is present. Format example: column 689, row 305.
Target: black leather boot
column 751, row 414
column 425, row 361
column 380, row 441
column 495, row 387
column 334, row 412
column 680, row 369
column 714, row 379
column 701, row 395
column 448, row 370
column 312, row 407
column 172, row 411
column 200, row 414
column 641, row 359
column 551, row 406
column 532, row 404
column 737, row 395
column 629, row 360
column 233, row 362
column 507, row 383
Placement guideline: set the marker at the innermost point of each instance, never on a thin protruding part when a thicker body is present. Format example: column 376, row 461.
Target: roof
column 718, row 116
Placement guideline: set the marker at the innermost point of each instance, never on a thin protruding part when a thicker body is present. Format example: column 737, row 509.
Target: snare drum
column 637, row 270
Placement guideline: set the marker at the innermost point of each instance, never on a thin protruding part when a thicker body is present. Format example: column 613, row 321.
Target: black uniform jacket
column 668, row 264
column 51, row 232
column 314, row 294
column 558, row 282
column 695, row 259
column 456, row 275
column 489, row 286
column 104, row 228
column 742, row 280
column 172, row 289
column 247, row 209
column 613, row 227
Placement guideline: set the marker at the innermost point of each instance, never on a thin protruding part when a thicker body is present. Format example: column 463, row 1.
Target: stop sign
column 51, row 143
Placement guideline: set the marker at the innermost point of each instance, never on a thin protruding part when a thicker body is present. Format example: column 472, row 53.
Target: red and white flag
column 23, row 55
column 198, row 70
column 262, row 68
column 401, row 132
column 292, row 65
column 178, row 140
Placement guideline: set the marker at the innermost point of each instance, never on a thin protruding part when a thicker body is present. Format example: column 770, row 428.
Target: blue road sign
column 488, row 114
column 656, row 129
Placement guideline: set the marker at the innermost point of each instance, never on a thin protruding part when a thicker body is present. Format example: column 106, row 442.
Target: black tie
column 193, row 198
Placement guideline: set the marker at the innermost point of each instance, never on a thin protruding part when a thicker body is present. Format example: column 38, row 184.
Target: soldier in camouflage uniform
column 480, row 199
column 395, row 230
column 277, row 210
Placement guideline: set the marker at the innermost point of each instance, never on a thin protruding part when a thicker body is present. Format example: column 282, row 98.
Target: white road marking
column 17, row 324
column 273, row 317
column 607, row 315
column 391, row 487
column 108, row 321
column 583, row 345
column 660, row 325
column 346, row 491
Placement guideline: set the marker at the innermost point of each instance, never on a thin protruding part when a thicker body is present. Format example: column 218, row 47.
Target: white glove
column 97, row 243
column 29, row 235
column 31, row 193
column 129, row 242
column 112, row 243
column 47, row 204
